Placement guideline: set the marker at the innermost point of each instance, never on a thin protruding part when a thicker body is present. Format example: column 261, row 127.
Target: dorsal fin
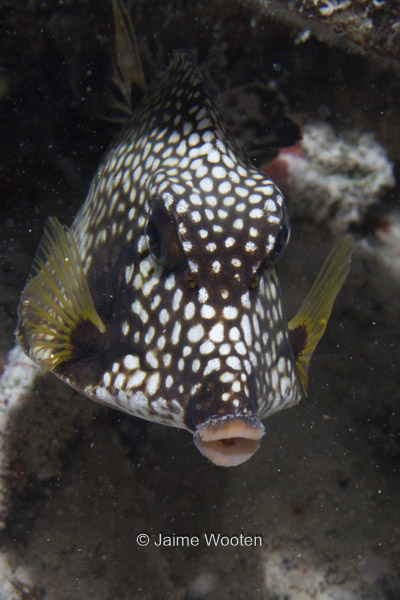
column 309, row 324
column 128, row 74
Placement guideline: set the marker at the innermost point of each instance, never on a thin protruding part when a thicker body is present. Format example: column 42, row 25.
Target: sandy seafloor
column 79, row 482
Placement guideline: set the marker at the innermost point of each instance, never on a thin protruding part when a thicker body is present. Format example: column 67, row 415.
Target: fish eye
column 154, row 241
column 255, row 281
column 162, row 238
column 281, row 240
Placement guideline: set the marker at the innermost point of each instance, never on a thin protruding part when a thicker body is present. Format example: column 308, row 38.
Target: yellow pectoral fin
column 56, row 304
column 309, row 324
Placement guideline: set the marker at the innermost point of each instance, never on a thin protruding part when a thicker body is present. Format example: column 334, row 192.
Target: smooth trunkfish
column 161, row 299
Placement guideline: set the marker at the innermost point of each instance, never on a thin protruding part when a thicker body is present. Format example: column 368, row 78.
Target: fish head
column 226, row 355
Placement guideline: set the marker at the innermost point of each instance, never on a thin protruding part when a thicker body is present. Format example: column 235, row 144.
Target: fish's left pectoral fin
column 309, row 324
column 57, row 319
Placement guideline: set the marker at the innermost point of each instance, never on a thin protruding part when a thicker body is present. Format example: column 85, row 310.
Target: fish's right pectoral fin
column 57, row 319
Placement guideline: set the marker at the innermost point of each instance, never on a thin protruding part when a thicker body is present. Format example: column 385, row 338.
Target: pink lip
column 229, row 441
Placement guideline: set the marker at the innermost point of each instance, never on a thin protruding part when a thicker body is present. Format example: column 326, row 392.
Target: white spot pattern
column 189, row 314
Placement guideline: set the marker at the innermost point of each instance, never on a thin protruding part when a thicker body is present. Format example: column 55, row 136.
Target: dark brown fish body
column 176, row 240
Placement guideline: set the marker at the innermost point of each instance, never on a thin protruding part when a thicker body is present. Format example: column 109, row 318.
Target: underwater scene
column 199, row 312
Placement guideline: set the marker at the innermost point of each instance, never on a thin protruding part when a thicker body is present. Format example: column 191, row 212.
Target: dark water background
column 85, row 481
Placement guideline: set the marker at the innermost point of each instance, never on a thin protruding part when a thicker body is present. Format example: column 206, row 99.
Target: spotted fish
column 162, row 299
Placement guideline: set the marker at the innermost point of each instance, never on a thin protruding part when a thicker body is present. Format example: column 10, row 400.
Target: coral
column 388, row 236
column 370, row 26
column 332, row 179
column 37, row 426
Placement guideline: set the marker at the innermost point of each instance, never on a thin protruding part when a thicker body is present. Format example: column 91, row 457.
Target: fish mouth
column 229, row 441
